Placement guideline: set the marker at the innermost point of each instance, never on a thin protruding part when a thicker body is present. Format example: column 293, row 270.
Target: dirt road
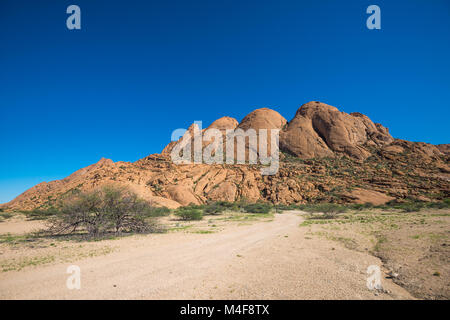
column 263, row 260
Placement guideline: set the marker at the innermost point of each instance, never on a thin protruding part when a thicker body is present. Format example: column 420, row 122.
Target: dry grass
column 415, row 246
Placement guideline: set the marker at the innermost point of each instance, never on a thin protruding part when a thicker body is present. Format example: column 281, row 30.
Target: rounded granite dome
column 224, row 123
column 263, row 118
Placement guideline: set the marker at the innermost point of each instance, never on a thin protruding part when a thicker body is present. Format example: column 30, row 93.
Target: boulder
column 367, row 196
column 182, row 195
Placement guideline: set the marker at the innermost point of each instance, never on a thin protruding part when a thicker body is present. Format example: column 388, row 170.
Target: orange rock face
column 320, row 130
column 263, row 118
column 363, row 196
column 444, row 148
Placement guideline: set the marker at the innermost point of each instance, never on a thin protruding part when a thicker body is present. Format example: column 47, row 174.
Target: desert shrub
column 360, row 206
column 285, row 207
column 41, row 213
column 219, row 207
column 80, row 212
column 414, row 205
column 123, row 209
column 329, row 210
column 444, row 204
column 408, row 206
column 5, row 215
column 110, row 209
column 189, row 213
column 159, row 211
column 391, row 203
column 411, row 206
column 388, row 205
column 259, row 207
column 195, row 206
column 213, row 208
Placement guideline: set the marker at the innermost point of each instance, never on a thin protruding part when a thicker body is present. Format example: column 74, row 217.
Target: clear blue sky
column 139, row 69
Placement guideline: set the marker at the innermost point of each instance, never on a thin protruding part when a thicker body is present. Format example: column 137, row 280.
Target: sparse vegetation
column 326, row 208
column 360, row 206
column 259, row 207
column 329, row 210
column 191, row 212
column 415, row 206
column 220, row 206
column 417, row 240
column 5, row 215
column 12, row 239
column 217, row 207
column 41, row 213
column 110, row 209
column 203, row 231
column 159, row 211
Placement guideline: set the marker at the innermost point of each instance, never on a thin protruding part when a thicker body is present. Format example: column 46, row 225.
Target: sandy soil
column 261, row 259
column 17, row 225
column 413, row 246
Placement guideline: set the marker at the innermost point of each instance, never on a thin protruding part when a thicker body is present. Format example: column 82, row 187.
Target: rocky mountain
column 320, row 130
column 444, row 148
column 326, row 155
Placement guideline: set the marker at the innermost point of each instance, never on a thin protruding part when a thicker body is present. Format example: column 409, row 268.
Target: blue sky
column 139, row 69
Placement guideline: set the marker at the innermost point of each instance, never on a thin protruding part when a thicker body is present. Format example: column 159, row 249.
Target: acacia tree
column 124, row 210
column 111, row 209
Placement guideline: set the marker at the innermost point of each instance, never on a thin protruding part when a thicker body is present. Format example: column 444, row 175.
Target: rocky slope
column 327, row 155
column 320, row 130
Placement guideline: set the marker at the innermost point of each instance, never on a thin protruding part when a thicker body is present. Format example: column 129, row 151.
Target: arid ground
column 289, row 255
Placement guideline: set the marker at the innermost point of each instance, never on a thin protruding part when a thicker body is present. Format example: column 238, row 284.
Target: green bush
column 444, row 204
column 414, row 205
column 189, row 213
column 213, row 209
column 411, row 206
column 219, row 207
column 360, row 206
column 259, row 207
column 158, row 212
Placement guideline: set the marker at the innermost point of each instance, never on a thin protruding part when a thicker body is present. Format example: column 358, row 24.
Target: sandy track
column 265, row 260
column 17, row 226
